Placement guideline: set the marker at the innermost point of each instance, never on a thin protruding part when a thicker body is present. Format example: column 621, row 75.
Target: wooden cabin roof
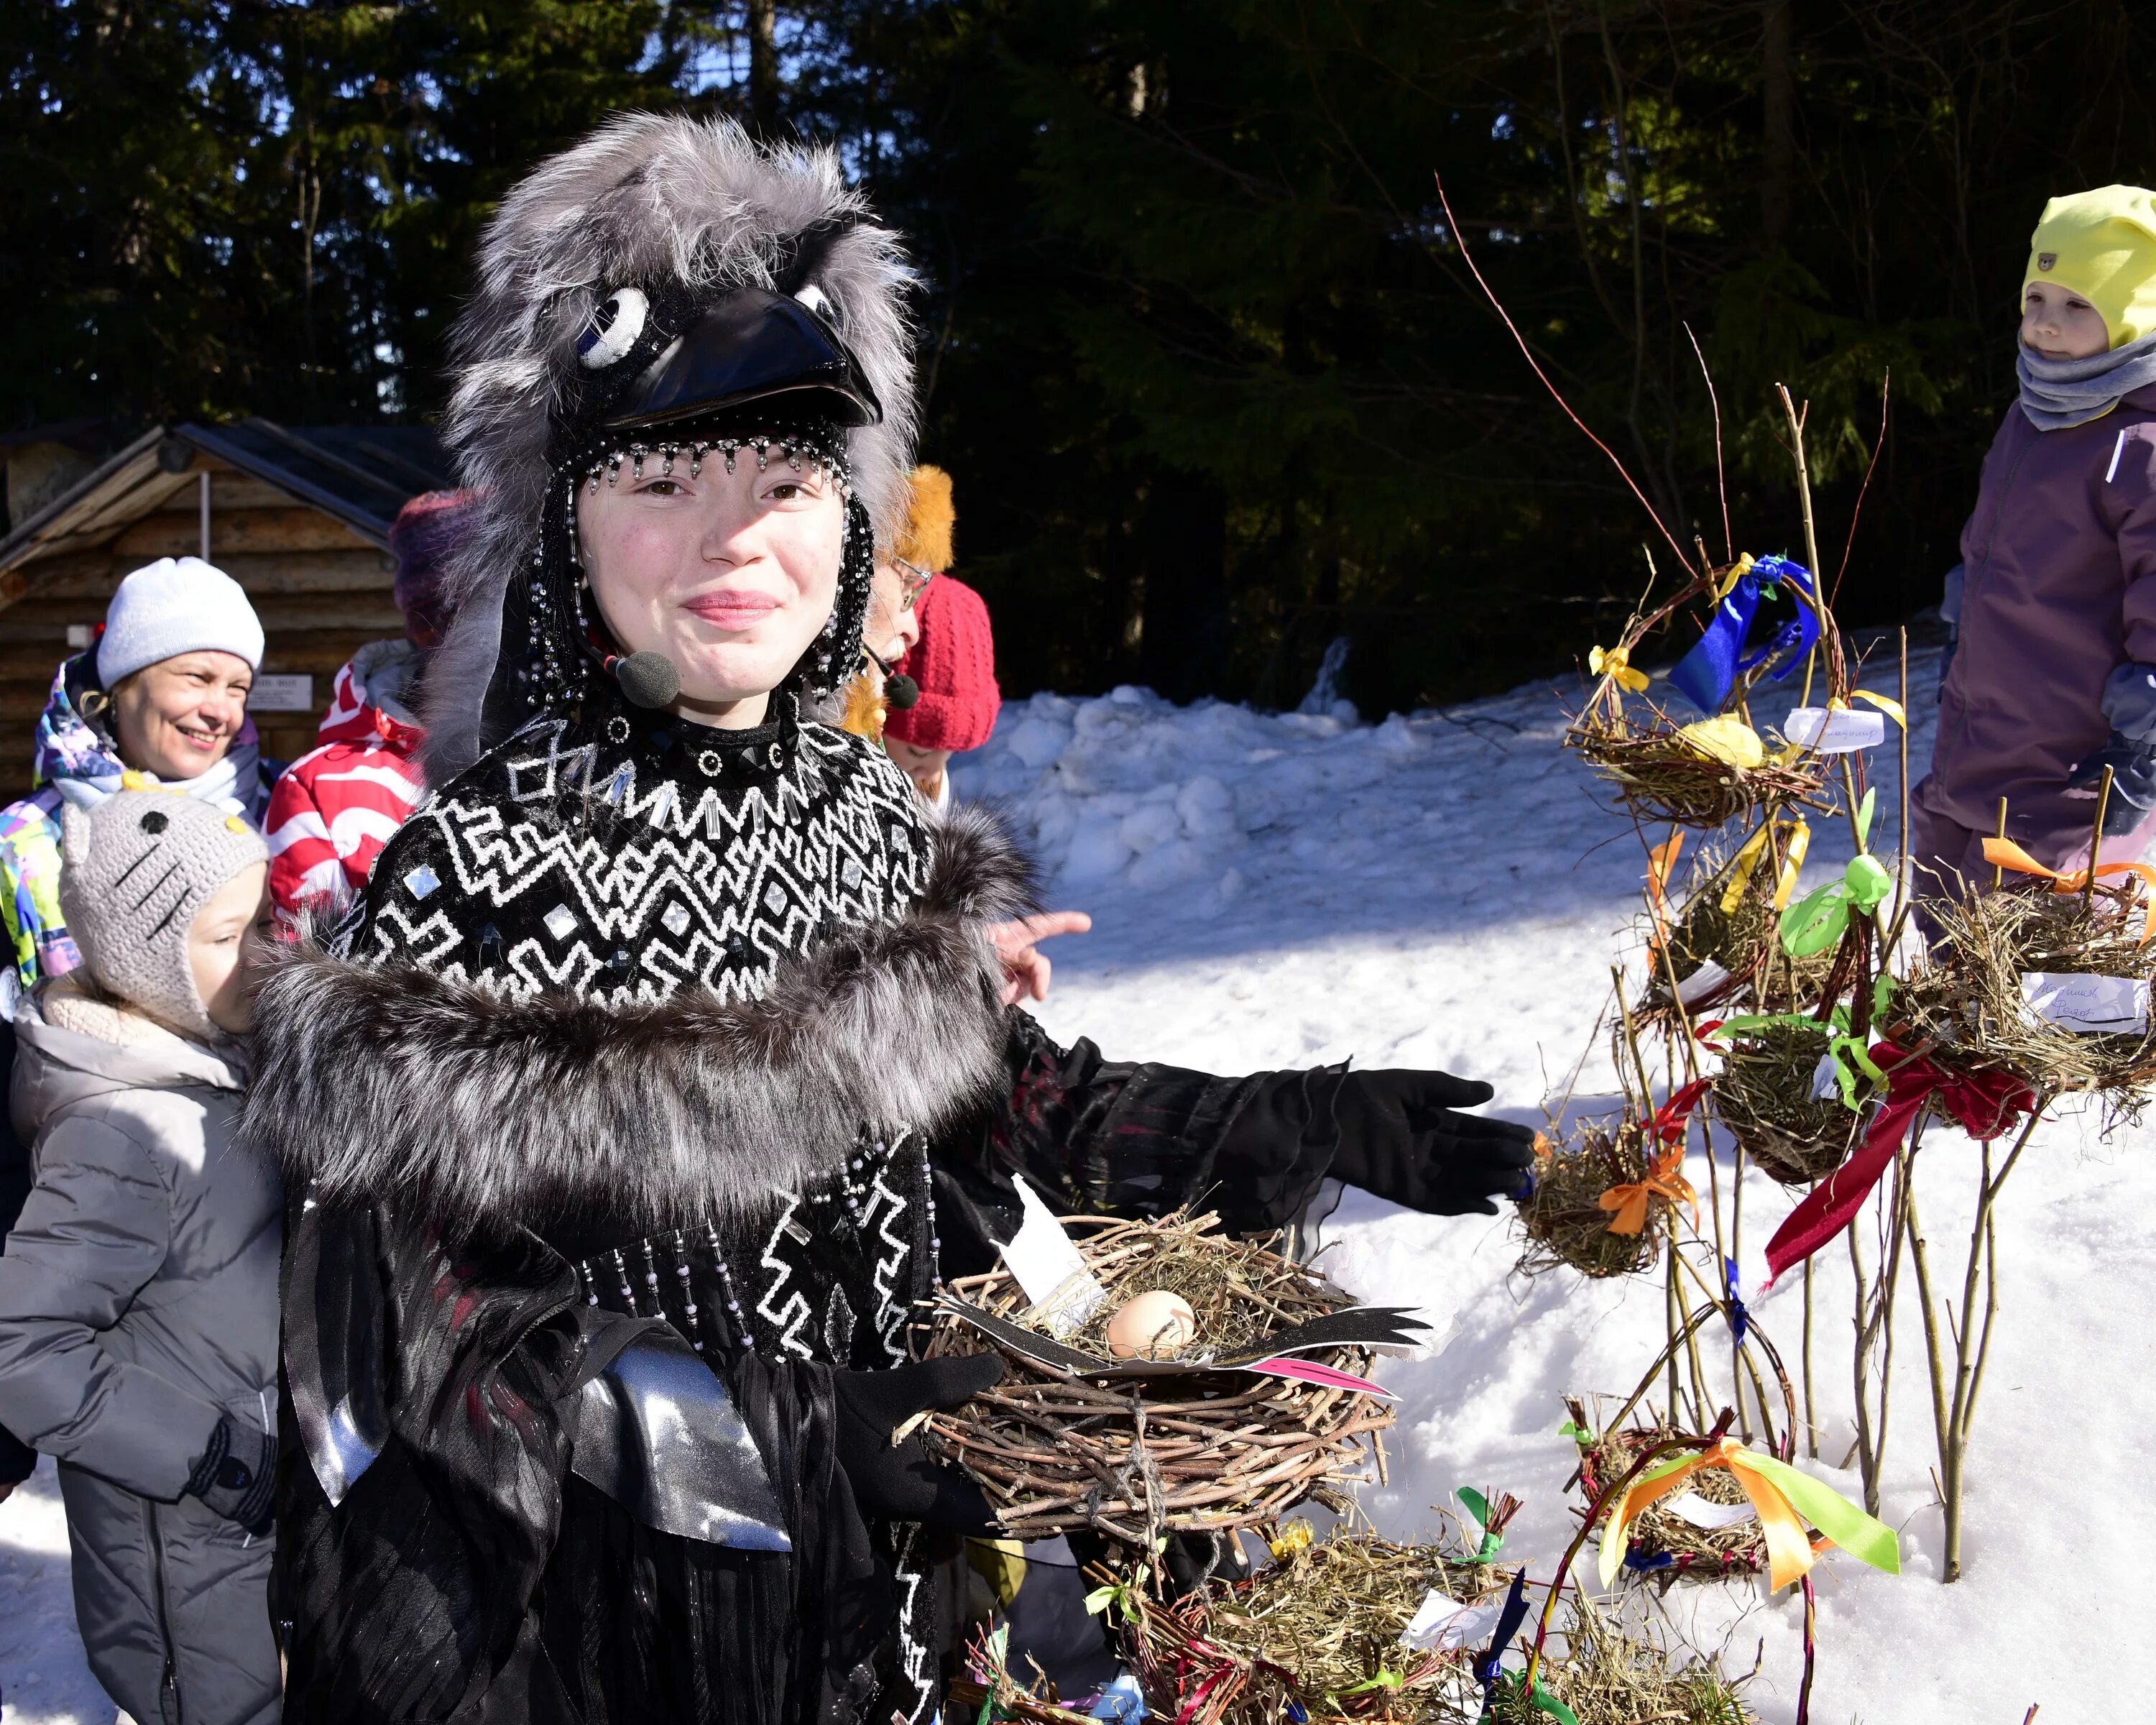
column 299, row 517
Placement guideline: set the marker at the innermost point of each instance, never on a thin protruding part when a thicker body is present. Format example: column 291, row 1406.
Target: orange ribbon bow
column 1631, row 1201
column 2005, row 854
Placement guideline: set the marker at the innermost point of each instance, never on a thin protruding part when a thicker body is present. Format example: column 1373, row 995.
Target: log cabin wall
column 321, row 589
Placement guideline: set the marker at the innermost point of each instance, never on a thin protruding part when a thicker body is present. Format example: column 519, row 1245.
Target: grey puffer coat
column 138, row 1304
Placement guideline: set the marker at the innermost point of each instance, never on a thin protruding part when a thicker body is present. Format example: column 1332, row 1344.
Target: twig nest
column 1156, row 1325
column 1564, row 1221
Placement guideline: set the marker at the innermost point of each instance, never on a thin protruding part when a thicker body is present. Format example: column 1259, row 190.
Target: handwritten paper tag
column 1691, row 1507
column 1834, row 731
column 2094, row 1005
column 1440, row 1623
column 1702, row 982
column 1064, row 1293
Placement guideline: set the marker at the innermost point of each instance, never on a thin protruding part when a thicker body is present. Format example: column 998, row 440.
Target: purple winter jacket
column 2060, row 589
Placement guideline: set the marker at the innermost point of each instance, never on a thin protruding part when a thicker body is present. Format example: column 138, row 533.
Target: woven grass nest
column 1315, row 1635
column 1763, row 1095
column 1966, row 1007
column 1563, row 1221
column 1664, row 1549
column 1203, row 1450
column 1663, row 777
column 1743, row 940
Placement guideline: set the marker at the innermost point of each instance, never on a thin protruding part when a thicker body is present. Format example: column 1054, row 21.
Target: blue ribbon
column 1703, row 675
column 1645, row 1563
column 1740, row 1317
column 1487, row 1670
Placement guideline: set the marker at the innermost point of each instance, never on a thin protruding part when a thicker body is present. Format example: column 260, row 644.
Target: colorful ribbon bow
column 1704, row 675
column 1616, row 663
column 1629, row 1202
column 1983, row 1105
column 1785, row 1500
column 1816, row 921
column 2005, row 854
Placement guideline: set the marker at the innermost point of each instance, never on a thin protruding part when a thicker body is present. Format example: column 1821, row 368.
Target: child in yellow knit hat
column 2053, row 678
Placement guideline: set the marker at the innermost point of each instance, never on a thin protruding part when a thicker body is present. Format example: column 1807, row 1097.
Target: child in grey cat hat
column 138, row 1292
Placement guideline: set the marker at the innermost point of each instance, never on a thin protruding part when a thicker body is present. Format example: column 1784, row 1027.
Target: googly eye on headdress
column 615, row 325
column 818, row 301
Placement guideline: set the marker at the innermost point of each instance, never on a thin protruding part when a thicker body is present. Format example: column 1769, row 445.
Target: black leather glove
column 2133, row 782
column 902, row 1482
column 236, row 1475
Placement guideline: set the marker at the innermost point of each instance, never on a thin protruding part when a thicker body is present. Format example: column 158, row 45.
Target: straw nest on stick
column 1763, row 1095
column 1739, row 934
column 1608, row 1676
column 1664, row 772
column 1317, row 1635
column 1663, row 1546
column 1131, row 1458
column 1319, row 1628
column 1967, row 1008
column 1563, row 1220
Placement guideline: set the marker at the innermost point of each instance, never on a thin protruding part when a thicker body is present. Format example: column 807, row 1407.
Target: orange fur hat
column 930, row 517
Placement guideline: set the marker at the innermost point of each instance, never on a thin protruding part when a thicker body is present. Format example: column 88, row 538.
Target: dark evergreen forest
column 1197, row 339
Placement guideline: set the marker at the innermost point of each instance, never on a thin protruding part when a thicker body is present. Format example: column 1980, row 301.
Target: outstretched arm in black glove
column 1396, row 1133
column 902, row 1482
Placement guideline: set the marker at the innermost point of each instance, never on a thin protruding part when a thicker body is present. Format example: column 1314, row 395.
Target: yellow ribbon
column 1746, row 863
column 2005, row 854
column 1631, row 1201
column 1616, row 663
column 1738, row 571
column 1886, row 704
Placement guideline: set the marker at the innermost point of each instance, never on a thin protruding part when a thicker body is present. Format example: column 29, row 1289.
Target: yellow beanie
column 2101, row 244
column 930, row 517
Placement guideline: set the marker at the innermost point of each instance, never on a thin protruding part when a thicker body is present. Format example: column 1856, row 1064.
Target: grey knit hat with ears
column 134, row 872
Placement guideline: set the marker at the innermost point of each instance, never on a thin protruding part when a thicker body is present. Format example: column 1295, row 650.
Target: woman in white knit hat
column 163, row 696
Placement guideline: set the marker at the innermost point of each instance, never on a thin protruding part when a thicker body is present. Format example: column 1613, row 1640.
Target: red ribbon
column 1673, row 1116
column 1983, row 1105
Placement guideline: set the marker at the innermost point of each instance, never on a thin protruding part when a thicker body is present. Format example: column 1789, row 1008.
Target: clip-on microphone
column 899, row 690
column 647, row 680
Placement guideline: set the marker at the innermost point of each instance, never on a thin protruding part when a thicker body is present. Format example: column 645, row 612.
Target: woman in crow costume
column 665, row 1062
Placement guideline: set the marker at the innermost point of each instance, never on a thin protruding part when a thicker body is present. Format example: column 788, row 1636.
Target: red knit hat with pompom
column 955, row 664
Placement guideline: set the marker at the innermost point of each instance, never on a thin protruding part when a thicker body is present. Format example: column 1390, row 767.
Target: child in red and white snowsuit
column 335, row 807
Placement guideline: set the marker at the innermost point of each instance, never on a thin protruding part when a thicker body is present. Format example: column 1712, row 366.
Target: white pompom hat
column 172, row 606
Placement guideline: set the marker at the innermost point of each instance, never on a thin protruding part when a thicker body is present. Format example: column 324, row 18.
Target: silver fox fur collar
column 392, row 1083
column 644, row 198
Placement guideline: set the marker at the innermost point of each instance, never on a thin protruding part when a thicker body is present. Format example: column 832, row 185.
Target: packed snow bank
column 1450, row 890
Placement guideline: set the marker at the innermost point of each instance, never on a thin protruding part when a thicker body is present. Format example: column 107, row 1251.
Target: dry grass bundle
column 1132, row 1457
column 1609, row 1677
column 1662, row 777
column 1317, row 1634
column 1562, row 1219
column 1763, row 1095
column 1967, row 1002
column 1665, row 1548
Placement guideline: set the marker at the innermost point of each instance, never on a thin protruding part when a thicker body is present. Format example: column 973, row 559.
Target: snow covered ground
column 1450, row 890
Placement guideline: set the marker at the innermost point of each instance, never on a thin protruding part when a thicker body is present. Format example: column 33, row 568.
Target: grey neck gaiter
column 2056, row 393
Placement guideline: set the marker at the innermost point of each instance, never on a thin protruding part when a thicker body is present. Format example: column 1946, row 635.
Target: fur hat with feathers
column 685, row 209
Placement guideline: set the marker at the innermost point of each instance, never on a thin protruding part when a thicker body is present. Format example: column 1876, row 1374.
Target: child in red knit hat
column 954, row 665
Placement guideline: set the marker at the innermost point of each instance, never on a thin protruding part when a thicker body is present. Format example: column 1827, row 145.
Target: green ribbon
column 1478, row 1505
column 1578, row 1433
column 1851, row 1055
column 1540, row 1699
column 1814, row 924
column 1383, row 1680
